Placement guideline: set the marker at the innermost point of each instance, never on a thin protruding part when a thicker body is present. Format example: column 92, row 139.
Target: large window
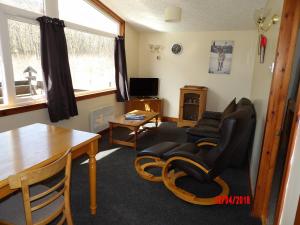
column 24, row 41
column 30, row 5
column 81, row 12
column 91, row 59
column 90, row 38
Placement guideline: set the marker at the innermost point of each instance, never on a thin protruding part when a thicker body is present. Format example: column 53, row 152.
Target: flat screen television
column 143, row 87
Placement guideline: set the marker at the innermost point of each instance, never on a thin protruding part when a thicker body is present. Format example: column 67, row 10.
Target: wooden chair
column 41, row 204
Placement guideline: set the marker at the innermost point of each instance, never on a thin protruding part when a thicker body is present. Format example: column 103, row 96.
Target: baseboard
column 169, row 119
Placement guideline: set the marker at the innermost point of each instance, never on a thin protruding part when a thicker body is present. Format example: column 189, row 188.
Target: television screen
column 143, row 87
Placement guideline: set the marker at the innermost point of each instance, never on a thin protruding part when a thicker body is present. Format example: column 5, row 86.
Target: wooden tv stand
column 145, row 104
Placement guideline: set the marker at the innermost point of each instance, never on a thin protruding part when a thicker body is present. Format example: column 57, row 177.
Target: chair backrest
column 243, row 102
column 248, row 129
column 247, row 135
column 230, row 108
column 234, row 136
column 61, row 189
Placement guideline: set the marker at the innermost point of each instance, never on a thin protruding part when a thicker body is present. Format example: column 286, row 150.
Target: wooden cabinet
column 145, row 104
column 192, row 105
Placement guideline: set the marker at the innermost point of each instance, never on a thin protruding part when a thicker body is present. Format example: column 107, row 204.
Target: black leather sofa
column 209, row 127
column 210, row 123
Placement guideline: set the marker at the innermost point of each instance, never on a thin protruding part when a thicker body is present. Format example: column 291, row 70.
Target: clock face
column 176, row 49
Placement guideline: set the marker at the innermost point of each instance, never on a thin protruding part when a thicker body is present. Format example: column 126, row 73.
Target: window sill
column 41, row 104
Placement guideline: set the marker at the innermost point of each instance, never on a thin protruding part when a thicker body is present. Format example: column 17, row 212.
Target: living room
column 181, row 50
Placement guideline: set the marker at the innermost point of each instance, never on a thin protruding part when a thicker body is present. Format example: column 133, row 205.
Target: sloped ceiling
column 197, row 15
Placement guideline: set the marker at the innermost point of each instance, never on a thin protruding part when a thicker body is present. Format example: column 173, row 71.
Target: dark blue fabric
column 121, row 70
column 56, row 70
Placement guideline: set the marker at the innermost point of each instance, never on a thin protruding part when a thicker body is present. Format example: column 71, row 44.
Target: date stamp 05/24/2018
column 233, row 200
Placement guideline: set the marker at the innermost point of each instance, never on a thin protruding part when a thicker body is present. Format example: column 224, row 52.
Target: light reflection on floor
column 147, row 125
column 102, row 154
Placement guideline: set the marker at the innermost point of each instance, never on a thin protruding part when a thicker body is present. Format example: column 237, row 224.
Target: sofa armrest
column 207, row 142
column 212, row 115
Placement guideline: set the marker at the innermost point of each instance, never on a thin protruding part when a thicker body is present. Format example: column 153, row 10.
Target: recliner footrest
column 154, row 155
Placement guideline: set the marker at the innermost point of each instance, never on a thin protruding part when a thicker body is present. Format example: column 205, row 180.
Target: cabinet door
column 202, row 106
column 190, row 109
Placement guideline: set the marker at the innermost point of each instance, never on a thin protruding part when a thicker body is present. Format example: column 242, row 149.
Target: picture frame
column 221, row 57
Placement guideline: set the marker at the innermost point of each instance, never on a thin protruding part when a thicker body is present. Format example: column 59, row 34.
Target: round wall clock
column 176, row 49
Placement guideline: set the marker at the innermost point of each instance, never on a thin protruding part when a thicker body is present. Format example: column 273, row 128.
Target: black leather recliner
column 206, row 164
column 204, row 160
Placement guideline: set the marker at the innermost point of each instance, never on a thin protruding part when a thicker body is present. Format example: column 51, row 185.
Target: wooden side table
column 132, row 125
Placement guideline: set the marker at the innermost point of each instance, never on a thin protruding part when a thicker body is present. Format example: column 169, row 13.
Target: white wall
column 293, row 187
column 191, row 66
column 132, row 50
column 261, row 85
column 80, row 122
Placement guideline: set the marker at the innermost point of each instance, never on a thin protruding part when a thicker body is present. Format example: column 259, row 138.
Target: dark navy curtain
column 56, row 69
column 121, row 70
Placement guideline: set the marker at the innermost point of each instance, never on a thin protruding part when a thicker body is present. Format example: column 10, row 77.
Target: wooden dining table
column 37, row 145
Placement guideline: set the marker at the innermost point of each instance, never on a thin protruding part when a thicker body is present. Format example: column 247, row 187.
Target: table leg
column 110, row 134
column 135, row 137
column 93, row 149
column 156, row 121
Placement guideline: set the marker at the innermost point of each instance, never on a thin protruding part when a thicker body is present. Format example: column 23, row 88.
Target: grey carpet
column 124, row 198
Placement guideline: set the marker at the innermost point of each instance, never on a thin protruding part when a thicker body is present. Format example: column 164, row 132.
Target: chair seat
column 186, row 147
column 12, row 208
column 206, row 154
column 158, row 150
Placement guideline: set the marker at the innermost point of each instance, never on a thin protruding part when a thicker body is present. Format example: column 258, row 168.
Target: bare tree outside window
column 26, row 58
column 30, row 5
column 91, row 60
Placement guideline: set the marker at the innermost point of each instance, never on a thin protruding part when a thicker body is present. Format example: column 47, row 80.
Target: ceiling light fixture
column 172, row 14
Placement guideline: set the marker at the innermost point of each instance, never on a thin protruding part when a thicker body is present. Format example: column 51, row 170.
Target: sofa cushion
column 202, row 131
column 208, row 122
column 211, row 115
column 185, row 147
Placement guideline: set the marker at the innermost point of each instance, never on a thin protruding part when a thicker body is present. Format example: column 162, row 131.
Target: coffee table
column 133, row 125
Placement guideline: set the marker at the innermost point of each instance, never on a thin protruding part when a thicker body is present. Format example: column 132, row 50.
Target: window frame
column 10, row 103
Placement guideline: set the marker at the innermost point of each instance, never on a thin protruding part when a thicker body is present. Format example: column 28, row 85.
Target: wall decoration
column 262, row 48
column 220, row 57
